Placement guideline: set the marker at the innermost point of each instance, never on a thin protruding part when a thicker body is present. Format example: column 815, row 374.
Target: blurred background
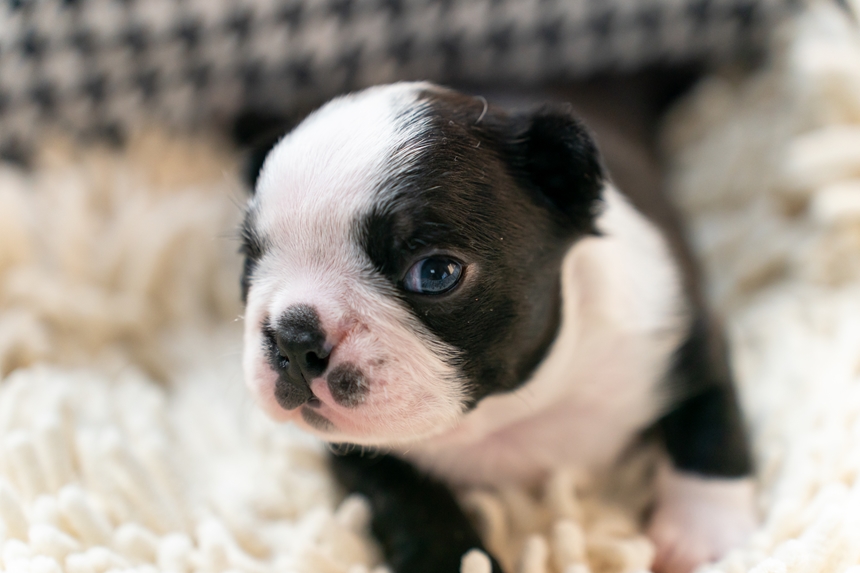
column 97, row 68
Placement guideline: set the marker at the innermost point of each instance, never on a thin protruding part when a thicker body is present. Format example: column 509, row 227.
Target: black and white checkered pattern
column 98, row 66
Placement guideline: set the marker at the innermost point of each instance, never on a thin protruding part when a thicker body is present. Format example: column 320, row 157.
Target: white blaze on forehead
column 319, row 180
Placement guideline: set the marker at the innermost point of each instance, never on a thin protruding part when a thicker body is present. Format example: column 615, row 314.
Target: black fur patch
column 704, row 433
column 506, row 196
column 416, row 519
column 347, row 385
column 289, row 394
column 561, row 160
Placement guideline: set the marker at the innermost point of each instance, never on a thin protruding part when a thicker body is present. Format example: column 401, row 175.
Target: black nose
column 299, row 354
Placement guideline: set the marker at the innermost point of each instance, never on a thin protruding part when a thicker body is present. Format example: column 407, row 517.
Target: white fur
column 622, row 318
column 699, row 519
column 315, row 184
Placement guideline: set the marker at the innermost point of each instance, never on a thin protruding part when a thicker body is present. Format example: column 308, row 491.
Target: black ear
column 257, row 132
column 560, row 159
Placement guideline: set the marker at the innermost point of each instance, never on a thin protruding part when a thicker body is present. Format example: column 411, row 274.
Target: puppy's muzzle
column 301, row 341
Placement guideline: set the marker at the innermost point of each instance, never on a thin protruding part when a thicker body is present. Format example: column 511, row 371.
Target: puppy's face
column 403, row 253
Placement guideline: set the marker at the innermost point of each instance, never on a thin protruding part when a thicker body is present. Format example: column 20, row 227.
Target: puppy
column 464, row 291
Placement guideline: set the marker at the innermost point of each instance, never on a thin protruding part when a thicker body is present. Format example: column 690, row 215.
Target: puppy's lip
column 313, row 402
column 321, row 394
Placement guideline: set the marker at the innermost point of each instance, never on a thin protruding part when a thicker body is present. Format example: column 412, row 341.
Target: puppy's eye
column 433, row 275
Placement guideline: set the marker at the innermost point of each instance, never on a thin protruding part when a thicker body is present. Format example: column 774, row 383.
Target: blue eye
column 433, row 275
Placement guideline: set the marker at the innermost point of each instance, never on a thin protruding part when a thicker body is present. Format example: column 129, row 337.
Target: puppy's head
column 403, row 255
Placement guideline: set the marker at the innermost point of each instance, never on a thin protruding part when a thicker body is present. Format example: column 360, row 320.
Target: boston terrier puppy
column 463, row 295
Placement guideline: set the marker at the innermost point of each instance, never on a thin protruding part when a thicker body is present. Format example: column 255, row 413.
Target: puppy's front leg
column 705, row 499
column 416, row 519
column 699, row 519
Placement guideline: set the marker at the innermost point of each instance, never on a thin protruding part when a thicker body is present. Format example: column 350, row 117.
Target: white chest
column 613, row 392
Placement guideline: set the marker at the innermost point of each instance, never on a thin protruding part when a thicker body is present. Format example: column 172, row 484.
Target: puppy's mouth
column 317, row 413
column 325, row 403
column 314, row 419
column 313, row 411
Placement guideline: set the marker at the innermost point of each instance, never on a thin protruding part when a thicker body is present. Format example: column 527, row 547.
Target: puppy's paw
column 699, row 519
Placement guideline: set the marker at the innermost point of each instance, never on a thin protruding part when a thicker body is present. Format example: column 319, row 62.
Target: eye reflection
column 433, row 275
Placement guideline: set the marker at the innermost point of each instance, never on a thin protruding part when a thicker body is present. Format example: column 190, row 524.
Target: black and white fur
column 571, row 330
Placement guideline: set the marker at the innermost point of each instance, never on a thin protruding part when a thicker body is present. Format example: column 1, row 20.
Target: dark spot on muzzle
column 347, row 385
column 291, row 394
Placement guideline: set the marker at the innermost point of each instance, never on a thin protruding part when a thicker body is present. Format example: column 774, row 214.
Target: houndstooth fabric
column 100, row 66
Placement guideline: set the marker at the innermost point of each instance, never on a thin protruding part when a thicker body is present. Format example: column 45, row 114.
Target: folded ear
column 557, row 155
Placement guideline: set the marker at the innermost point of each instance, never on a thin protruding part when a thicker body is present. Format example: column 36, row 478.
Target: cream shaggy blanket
column 128, row 443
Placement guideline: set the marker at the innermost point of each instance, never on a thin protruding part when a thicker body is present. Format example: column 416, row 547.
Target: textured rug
column 127, row 441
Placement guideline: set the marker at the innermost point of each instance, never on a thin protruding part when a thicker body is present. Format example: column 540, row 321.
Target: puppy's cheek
column 698, row 520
